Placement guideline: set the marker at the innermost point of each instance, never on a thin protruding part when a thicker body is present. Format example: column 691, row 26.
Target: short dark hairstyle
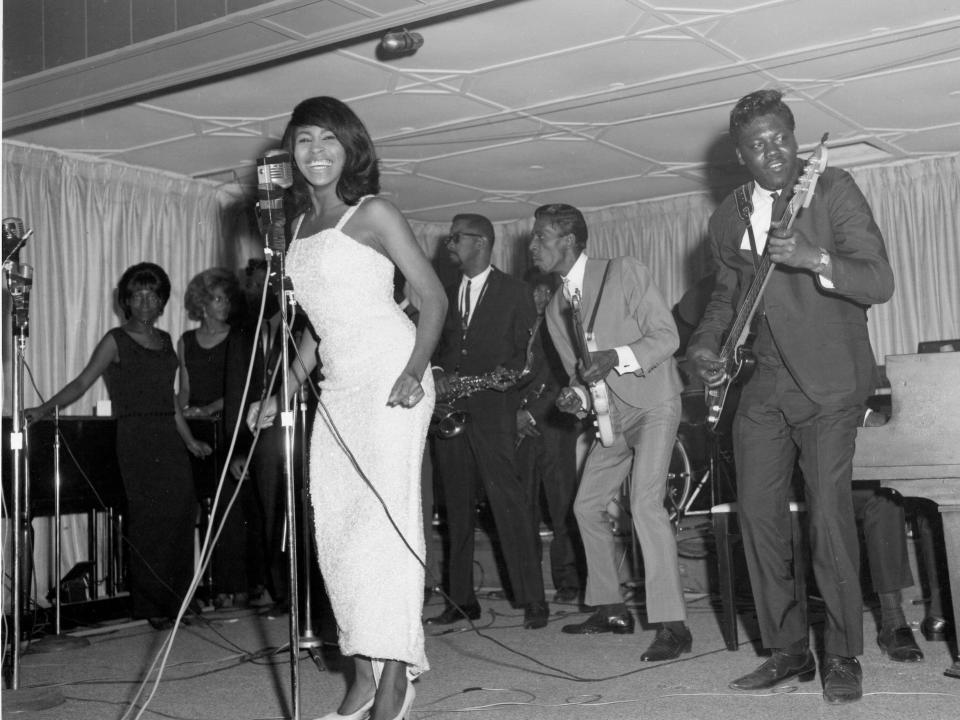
column 479, row 223
column 201, row 287
column 534, row 278
column 142, row 276
column 361, row 172
column 758, row 104
column 566, row 220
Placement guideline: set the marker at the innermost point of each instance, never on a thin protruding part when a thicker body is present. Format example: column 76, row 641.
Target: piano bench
column 725, row 537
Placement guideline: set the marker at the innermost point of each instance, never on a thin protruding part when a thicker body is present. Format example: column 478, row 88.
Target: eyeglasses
column 218, row 300
column 454, row 238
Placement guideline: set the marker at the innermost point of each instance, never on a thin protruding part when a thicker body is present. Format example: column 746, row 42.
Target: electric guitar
column 585, row 343
column 736, row 356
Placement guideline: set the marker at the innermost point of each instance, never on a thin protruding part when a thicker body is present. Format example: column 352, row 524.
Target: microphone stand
column 58, row 641
column 287, row 423
column 309, row 640
column 19, row 277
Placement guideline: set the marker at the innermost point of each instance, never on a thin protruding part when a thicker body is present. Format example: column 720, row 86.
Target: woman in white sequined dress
column 378, row 391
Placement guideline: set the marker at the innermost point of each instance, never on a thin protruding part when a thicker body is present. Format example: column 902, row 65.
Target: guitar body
column 740, row 369
column 584, row 345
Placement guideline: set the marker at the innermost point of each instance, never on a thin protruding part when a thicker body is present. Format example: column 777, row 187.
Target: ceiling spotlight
column 400, row 42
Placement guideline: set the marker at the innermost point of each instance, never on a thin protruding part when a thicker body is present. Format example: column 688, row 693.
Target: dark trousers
column 775, row 422
column 548, row 462
column 881, row 515
column 267, row 486
column 484, row 457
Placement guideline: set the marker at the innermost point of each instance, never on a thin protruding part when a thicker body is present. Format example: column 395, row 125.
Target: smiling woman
column 377, row 390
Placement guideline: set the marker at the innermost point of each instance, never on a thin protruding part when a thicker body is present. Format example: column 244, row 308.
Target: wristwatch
column 821, row 267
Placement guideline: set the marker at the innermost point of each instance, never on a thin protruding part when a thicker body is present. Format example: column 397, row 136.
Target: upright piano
column 917, row 452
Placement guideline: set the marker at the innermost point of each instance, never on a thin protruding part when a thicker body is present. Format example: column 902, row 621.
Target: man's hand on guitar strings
column 601, row 363
column 790, row 247
column 707, row 365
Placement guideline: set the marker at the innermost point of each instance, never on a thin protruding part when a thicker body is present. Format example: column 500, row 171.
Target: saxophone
column 447, row 422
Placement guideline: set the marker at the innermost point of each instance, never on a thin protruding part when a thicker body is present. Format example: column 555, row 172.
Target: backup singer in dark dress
column 139, row 365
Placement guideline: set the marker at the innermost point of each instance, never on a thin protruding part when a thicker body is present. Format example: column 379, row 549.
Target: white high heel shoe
column 362, row 713
column 408, row 699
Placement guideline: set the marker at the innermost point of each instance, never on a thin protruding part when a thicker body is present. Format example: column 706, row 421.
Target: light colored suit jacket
column 632, row 312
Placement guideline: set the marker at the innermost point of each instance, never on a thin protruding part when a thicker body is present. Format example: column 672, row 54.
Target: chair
column 725, row 538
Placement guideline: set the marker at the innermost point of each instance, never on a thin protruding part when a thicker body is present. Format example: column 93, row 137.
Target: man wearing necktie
column 636, row 337
column 487, row 327
column 815, row 370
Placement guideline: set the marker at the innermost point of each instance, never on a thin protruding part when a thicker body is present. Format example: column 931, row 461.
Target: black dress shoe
column 842, row 679
column 668, row 645
column 776, row 669
column 934, row 627
column 160, row 623
column 603, row 622
column 900, row 645
column 566, row 595
column 451, row 615
column 535, row 615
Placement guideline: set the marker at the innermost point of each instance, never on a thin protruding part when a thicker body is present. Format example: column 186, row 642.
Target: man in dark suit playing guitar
column 488, row 323
column 635, row 337
column 814, row 371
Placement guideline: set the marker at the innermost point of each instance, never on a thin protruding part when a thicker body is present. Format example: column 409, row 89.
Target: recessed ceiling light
column 536, row 167
column 617, row 85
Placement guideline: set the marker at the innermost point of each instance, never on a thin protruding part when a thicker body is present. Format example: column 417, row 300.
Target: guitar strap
column 745, row 210
column 596, row 305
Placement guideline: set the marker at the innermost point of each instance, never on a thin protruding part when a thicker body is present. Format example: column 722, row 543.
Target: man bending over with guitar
column 616, row 338
column 814, row 372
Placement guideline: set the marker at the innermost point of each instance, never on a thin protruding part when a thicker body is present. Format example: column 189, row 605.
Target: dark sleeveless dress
column 155, row 467
column 207, row 368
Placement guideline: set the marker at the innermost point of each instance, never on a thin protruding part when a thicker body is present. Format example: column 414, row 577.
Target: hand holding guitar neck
column 601, row 363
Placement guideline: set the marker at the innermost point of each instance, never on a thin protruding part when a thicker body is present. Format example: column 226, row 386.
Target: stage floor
column 231, row 664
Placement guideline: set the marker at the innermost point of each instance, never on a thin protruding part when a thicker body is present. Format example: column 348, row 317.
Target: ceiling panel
column 513, row 102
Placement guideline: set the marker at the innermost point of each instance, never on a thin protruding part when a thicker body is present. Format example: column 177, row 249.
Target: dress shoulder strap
column 349, row 213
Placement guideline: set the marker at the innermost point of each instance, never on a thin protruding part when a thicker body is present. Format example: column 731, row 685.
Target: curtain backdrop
column 915, row 203
column 92, row 219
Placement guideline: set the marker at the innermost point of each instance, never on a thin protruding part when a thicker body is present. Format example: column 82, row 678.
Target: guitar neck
column 751, row 301
column 580, row 336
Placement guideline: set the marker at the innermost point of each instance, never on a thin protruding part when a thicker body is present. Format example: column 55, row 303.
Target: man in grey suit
column 635, row 338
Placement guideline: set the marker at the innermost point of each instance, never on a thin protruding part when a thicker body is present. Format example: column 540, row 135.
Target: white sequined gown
column 374, row 582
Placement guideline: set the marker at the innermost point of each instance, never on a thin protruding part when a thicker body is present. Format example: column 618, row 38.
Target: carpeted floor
column 232, row 665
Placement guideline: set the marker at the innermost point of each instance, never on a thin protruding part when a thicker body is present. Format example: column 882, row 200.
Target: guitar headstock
column 815, row 165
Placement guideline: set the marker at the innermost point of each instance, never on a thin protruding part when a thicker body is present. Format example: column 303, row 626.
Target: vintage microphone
column 274, row 177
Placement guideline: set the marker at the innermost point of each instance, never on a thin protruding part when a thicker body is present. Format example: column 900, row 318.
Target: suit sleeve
column 861, row 270
column 658, row 339
column 718, row 315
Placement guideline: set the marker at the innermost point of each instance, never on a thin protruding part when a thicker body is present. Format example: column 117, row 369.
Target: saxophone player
column 486, row 330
